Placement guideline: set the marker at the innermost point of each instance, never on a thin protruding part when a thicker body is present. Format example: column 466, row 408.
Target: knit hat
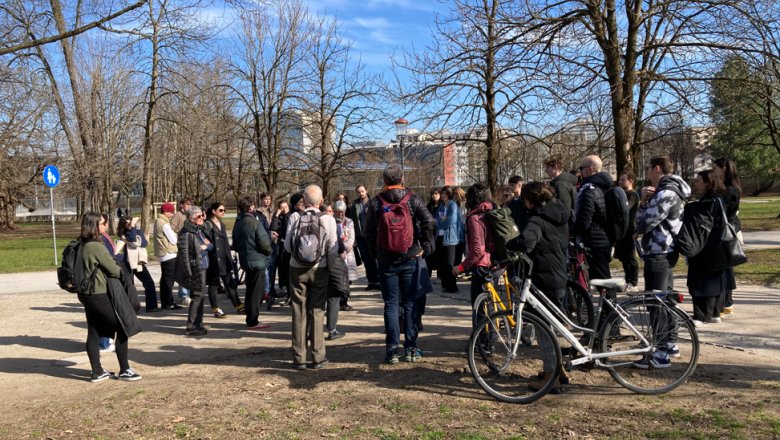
column 294, row 199
column 167, row 207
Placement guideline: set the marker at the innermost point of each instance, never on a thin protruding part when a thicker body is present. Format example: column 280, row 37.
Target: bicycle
column 651, row 325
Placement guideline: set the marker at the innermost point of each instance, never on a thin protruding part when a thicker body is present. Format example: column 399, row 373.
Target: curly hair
column 538, row 193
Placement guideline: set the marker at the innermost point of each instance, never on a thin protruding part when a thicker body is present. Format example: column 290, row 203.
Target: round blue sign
column 51, row 176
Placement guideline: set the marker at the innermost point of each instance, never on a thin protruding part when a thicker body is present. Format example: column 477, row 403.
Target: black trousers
column 102, row 322
column 231, row 292
column 704, row 308
column 626, row 253
column 150, row 289
column 195, row 316
column 659, row 275
column 598, row 263
column 166, row 282
column 255, row 292
column 446, row 262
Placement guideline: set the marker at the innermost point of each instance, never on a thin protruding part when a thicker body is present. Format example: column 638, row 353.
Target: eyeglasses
column 220, row 210
column 582, row 168
column 506, row 196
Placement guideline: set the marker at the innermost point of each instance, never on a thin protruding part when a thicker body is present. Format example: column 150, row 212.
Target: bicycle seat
column 612, row 283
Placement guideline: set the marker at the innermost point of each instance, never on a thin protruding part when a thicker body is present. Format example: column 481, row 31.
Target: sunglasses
column 582, row 168
column 220, row 210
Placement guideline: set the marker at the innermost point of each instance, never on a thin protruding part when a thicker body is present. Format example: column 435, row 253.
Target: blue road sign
column 51, row 176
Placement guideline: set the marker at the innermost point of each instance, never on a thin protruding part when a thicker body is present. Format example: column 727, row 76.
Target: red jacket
column 479, row 238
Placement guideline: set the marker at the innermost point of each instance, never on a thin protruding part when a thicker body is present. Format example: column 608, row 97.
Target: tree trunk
column 146, row 200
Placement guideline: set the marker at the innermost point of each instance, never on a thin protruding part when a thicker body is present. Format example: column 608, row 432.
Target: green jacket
column 95, row 254
column 251, row 242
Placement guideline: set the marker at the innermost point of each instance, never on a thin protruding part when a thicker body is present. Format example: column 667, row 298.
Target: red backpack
column 396, row 230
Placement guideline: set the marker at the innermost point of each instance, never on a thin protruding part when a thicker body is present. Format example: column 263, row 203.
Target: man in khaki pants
column 309, row 276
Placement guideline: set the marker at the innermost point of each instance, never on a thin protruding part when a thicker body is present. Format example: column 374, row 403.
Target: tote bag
column 724, row 249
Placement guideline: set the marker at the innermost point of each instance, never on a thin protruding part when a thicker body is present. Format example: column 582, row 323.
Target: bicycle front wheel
column 671, row 337
column 507, row 369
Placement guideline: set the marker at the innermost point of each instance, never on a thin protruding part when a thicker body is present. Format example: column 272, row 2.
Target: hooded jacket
column 566, row 190
column 661, row 219
column 420, row 215
column 479, row 238
column 590, row 213
column 544, row 239
column 189, row 265
column 251, row 242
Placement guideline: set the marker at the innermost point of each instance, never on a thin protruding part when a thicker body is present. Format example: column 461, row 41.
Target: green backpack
column 504, row 229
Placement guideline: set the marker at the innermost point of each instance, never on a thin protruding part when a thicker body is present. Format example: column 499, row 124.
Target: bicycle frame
column 497, row 298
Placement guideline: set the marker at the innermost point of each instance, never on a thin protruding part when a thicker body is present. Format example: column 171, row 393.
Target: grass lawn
column 759, row 216
column 762, row 268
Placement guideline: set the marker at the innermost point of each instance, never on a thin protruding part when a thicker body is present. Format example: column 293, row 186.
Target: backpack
column 396, row 231
column 307, row 244
column 697, row 224
column 504, row 229
column 616, row 213
column 71, row 276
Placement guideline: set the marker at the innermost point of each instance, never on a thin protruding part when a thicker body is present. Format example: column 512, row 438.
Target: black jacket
column 703, row 281
column 732, row 206
column 220, row 258
column 545, row 240
column 566, row 190
column 419, row 211
column 519, row 212
column 123, row 307
column 189, row 262
column 590, row 213
column 354, row 214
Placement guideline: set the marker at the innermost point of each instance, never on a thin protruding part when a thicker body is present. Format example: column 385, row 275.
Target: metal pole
column 53, row 231
column 403, row 158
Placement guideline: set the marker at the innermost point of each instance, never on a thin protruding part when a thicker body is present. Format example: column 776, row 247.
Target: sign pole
column 53, row 231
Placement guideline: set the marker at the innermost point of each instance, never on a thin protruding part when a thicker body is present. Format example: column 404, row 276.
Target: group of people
column 399, row 239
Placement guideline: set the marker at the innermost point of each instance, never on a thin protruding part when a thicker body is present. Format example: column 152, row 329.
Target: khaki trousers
column 308, row 295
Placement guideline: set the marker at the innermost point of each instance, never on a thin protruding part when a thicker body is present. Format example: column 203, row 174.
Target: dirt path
column 238, row 384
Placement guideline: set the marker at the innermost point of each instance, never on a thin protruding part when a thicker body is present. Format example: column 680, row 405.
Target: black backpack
column 71, row 276
column 616, row 205
column 697, row 224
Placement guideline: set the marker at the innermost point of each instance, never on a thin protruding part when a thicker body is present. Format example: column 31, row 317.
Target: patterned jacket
column 661, row 219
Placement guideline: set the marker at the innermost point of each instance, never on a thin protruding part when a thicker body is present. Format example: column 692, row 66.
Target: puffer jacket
column 189, row 264
column 590, row 213
column 661, row 219
column 479, row 238
column 544, row 239
column 251, row 241
column 420, row 215
column 566, row 190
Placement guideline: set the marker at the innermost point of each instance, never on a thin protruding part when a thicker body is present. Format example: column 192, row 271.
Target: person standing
column 399, row 271
column 347, row 236
column 358, row 216
column 516, row 205
column 431, row 261
column 251, row 241
column 706, row 286
column 590, row 217
column 726, row 170
column 565, row 184
column 447, row 239
column 100, row 310
column 459, row 197
column 479, row 236
column 220, row 270
column 136, row 259
column 309, row 277
column 177, row 222
column 338, row 285
column 192, row 266
column 265, row 207
column 658, row 221
column 265, row 215
column 166, row 252
column 279, row 225
column 625, row 251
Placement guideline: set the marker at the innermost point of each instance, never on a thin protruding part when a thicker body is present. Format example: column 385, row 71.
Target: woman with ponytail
column 725, row 169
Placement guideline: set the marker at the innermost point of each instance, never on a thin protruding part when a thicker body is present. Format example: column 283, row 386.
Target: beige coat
column 137, row 257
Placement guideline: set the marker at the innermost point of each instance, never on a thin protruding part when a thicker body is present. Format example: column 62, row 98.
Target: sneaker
column 299, row 366
column 412, row 354
column 129, row 375
column 436, row 281
column 260, row 326
column 715, row 321
column 660, row 360
column 318, row 365
column 241, row 310
column 697, row 323
column 391, row 358
column 728, row 310
column 110, row 349
column 185, row 301
column 346, row 308
column 173, row 307
column 673, row 351
column 333, row 335
column 154, row 310
column 101, row 377
column 220, row 314
column 197, row 332
column 630, row 288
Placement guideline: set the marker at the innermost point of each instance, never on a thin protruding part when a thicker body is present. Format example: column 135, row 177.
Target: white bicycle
column 648, row 344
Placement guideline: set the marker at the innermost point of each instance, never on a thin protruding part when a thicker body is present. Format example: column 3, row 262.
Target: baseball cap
column 167, row 207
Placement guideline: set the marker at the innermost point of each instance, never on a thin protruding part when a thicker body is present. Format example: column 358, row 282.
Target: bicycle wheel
column 491, row 345
column 578, row 305
column 673, row 340
column 484, row 305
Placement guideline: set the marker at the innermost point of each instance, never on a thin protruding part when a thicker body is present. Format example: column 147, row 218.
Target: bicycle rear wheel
column 506, row 374
column 671, row 336
column 578, row 305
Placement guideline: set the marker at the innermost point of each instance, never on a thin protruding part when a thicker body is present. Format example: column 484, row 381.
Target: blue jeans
column 105, row 343
column 270, row 272
column 368, row 261
column 183, row 293
column 399, row 285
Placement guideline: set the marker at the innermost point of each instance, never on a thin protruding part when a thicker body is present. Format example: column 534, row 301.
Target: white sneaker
column 697, row 323
column 186, row 301
column 110, row 349
column 715, row 320
column 630, row 288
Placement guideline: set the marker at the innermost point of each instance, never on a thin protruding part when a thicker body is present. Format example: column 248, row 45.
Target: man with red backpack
column 389, row 233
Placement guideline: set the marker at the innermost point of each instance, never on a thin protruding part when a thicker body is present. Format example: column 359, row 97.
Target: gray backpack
column 307, row 243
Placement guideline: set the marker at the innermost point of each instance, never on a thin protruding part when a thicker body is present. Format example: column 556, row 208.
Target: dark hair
column 245, row 204
column 515, row 179
column 714, row 185
column 392, row 175
column 477, row 194
column 730, row 175
column 430, row 194
column 325, row 205
column 446, row 190
column 90, row 227
column 346, row 198
column 555, row 161
column 185, row 200
column 264, row 195
column 124, row 224
column 210, row 212
column 538, row 193
column 279, row 203
column 576, row 173
column 360, row 186
column 665, row 162
column 629, row 175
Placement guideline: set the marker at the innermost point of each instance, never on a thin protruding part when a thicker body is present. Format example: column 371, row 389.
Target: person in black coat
column 565, row 184
column 725, row 169
column 704, row 284
column 590, row 217
column 191, row 267
column 431, row 261
column 220, row 271
column 544, row 239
